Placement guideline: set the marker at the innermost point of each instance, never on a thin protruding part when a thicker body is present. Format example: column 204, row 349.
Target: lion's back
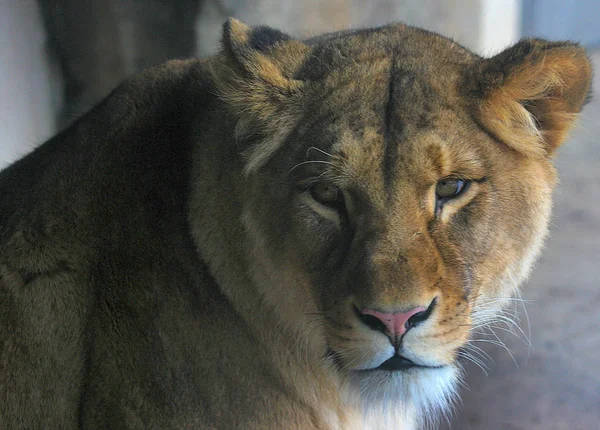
column 80, row 218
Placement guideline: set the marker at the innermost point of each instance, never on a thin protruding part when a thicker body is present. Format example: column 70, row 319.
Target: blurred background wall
column 59, row 57
column 29, row 90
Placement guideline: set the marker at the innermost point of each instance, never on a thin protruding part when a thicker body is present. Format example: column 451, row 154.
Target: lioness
column 289, row 234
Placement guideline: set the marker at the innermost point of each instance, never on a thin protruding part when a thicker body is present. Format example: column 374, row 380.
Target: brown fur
column 530, row 104
column 164, row 264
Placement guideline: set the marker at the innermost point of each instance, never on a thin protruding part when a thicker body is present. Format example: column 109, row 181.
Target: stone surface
column 556, row 384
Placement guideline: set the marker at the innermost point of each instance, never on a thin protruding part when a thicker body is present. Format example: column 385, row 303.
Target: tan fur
column 251, row 88
column 550, row 83
column 165, row 264
column 407, row 267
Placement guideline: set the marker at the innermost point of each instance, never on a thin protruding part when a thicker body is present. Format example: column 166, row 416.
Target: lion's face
column 405, row 216
column 390, row 215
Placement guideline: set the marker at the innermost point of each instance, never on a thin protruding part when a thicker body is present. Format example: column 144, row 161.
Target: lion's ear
column 528, row 96
column 254, row 75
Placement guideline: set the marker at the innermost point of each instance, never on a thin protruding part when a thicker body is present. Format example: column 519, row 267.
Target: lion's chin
column 429, row 390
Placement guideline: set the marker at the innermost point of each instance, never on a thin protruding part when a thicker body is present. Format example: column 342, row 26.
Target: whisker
column 480, row 351
column 503, row 345
column 308, row 162
column 475, row 361
column 502, row 299
column 528, row 329
column 318, row 149
column 511, row 326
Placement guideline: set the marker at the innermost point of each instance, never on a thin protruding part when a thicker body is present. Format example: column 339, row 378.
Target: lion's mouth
column 396, row 363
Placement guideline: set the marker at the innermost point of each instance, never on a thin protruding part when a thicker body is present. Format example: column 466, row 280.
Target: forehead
column 378, row 162
column 394, row 111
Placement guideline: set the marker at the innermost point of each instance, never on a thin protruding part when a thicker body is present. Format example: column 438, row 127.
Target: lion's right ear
column 254, row 76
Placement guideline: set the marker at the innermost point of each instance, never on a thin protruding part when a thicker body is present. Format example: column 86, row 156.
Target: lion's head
column 395, row 188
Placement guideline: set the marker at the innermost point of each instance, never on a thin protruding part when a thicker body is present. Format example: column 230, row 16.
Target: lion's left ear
column 254, row 76
column 528, row 96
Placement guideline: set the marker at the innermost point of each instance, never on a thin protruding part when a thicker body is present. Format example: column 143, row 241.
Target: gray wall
column 563, row 19
column 459, row 19
column 27, row 104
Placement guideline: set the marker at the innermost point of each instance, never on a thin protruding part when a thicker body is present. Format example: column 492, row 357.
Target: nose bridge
column 394, row 278
column 393, row 229
column 394, row 242
column 401, row 262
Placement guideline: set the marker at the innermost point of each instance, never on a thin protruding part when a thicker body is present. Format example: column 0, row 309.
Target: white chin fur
column 413, row 399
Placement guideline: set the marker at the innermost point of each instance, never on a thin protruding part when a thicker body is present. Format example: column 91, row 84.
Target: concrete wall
column 27, row 91
column 486, row 26
column 563, row 19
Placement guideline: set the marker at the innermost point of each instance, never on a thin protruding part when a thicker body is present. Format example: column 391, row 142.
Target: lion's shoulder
column 127, row 159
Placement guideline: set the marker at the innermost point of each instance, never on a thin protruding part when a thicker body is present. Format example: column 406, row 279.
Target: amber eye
column 450, row 188
column 327, row 194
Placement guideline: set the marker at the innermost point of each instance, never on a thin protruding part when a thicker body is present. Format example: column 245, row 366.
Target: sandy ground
column 555, row 384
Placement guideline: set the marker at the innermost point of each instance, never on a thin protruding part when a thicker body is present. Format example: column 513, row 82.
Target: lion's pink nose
column 394, row 324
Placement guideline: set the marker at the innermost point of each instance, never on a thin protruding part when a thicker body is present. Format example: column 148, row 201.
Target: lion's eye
column 450, row 188
column 327, row 194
